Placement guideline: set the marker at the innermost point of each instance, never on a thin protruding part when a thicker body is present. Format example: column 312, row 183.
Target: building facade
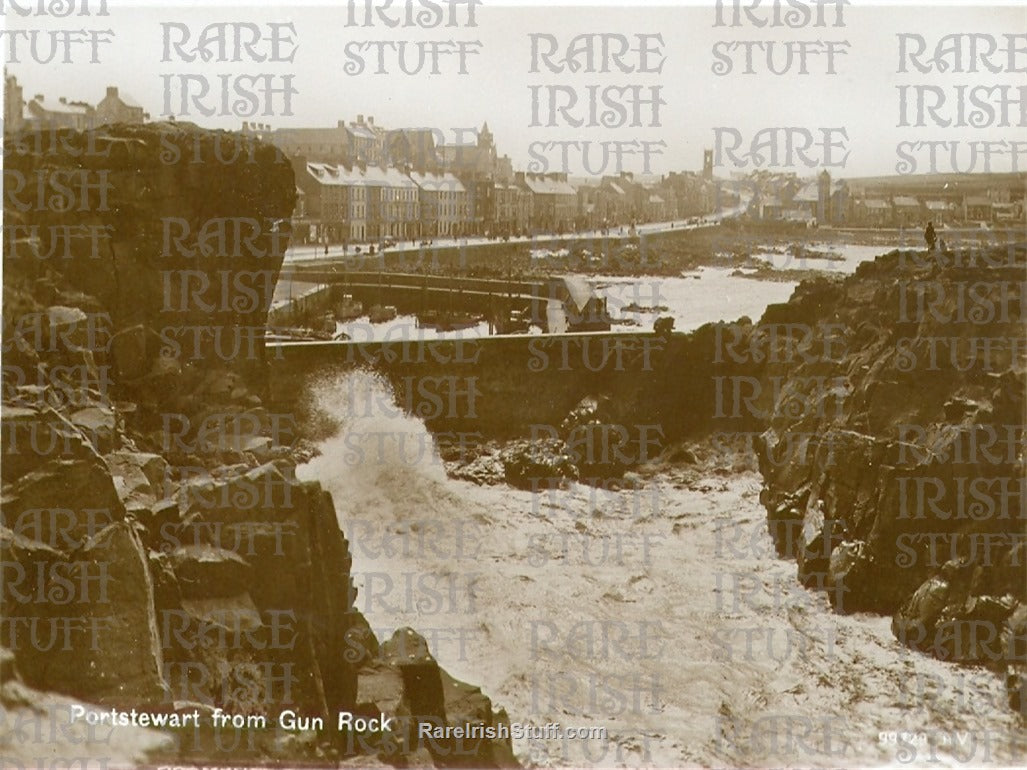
column 116, row 107
column 443, row 204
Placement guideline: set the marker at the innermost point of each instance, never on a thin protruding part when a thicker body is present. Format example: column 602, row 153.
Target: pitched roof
column 438, row 182
column 333, row 174
column 61, row 108
column 548, row 186
column 362, row 132
column 905, row 200
column 127, row 100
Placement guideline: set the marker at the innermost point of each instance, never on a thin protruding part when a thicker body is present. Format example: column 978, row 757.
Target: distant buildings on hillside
column 893, row 201
column 359, row 181
column 38, row 112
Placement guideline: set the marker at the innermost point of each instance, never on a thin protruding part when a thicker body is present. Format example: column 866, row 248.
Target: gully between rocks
column 659, row 611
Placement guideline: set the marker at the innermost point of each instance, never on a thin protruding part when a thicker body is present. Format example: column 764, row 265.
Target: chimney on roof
column 340, row 124
column 245, row 125
column 112, row 92
column 370, row 120
column 360, row 120
column 63, row 100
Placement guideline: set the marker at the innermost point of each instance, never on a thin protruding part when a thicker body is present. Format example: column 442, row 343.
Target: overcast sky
column 861, row 98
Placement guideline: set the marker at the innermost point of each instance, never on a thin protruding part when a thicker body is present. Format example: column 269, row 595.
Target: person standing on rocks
column 930, row 236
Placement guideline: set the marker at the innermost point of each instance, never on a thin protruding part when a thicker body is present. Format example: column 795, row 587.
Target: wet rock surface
column 892, row 451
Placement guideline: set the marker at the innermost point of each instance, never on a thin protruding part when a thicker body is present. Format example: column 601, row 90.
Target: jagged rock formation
column 894, row 457
column 157, row 551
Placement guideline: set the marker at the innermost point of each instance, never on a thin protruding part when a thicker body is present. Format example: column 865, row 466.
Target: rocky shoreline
column 885, row 412
column 159, row 553
column 893, row 460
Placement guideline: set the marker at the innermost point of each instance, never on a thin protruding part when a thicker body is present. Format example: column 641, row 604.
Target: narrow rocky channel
column 659, row 611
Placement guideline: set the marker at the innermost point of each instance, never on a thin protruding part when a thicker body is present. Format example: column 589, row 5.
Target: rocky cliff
column 158, row 553
column 893, row 451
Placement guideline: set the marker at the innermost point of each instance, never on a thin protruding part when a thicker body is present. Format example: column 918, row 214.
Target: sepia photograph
column 513, row 384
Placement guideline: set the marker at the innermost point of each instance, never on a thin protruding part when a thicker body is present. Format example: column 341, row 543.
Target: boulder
column 101, row 641
column 63, row 502
column 407, row 651
column 140, row 478
column 785, row 522
column 68, row 327
column 33, row 435
column 536, row 464
column 99, row 425
column 915, row 621
column 406, row 682
column 1014, row 653
column 160, row 522
column 852, row 578
column 206, row 571
column 817, row 541
column 39, row 732
column 971, row 632
column 132, row 350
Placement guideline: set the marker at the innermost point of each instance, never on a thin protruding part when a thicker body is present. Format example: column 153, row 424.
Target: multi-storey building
column 554, row 200
column 358, row 203
column 359, row 141
column 445, row 209
column 477, row 165
column 413, row 147
column 694, row 195
column 512, row 209
column 394, row 204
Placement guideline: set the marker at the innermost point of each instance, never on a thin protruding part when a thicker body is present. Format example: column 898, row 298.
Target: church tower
column 824, row 198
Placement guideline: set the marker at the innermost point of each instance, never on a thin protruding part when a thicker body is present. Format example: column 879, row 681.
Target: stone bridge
column 491, row 297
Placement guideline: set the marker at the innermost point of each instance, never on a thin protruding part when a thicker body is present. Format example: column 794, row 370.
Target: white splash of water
column 380, row 456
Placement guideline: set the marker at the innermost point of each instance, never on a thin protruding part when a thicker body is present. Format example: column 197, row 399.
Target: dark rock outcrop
column 157, row 551
column 405, row 682
column 892, row 450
